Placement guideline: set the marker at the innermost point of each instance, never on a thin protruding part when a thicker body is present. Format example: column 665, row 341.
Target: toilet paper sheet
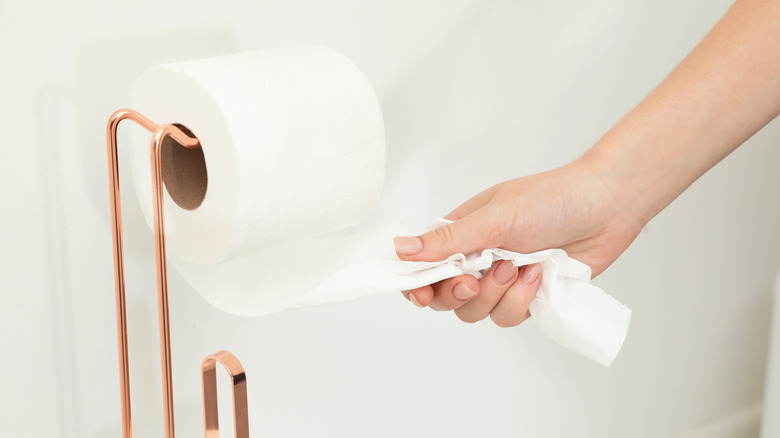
column 312, row 272
column 567, row 307
column 293, row 140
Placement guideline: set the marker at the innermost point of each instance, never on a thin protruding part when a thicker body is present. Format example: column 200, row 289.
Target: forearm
column 724, row 91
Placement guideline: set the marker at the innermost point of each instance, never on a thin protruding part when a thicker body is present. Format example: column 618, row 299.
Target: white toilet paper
column 567, row 307
column 575, row 313
column 293, row 140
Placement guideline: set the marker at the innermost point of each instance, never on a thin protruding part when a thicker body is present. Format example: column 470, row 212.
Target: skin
column 724, row 91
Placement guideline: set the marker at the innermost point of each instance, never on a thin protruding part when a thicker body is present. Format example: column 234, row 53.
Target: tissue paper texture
column 293, row 140
column 573, row 312
column 567, row 307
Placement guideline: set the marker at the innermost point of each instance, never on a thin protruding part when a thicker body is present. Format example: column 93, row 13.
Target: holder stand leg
column 159, row 132
column 238, row 380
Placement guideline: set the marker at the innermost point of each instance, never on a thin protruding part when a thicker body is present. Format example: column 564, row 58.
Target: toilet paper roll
column 262, row 219
column 292, row 147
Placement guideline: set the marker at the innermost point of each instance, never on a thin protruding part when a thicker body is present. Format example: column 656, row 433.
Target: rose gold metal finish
column 210, row 408
column 159, row 133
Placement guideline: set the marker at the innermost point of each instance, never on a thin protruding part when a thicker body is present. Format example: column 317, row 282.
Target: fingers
column 454, row 292
column 420, row 297
column 512, row 309
column 474, row 232
column 492, row 287
column 474, row 228
column 447, row 294
column 505, row 294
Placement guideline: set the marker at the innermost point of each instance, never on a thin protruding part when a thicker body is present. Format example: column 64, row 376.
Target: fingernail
column 530, row 273
column 504, row 272
column 406, row 245
column 414, row 301
column 463, row 292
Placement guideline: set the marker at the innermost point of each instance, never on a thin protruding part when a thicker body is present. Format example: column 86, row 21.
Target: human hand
column 593, row 208
column 573, row 207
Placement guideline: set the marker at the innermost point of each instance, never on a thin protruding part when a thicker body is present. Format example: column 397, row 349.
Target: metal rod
column 159, row 133
column 210, row 405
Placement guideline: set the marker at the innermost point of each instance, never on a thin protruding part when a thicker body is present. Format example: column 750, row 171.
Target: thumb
column 469, row 234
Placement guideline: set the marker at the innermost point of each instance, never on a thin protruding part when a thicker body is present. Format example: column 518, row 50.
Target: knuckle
column 437, row 306
column 444, row 234
column 502, row 320
column 496, row 234
column 470, row 319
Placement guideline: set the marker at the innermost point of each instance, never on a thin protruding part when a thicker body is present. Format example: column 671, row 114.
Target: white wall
column 473, row 93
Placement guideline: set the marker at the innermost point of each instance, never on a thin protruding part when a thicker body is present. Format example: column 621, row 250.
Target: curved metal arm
column 159, row 133
column 210, row 408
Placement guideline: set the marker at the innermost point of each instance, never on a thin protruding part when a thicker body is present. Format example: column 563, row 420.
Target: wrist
column 635, row 182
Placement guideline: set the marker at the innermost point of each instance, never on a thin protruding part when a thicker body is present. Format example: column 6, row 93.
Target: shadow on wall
column 50, row 106
column 107, row 70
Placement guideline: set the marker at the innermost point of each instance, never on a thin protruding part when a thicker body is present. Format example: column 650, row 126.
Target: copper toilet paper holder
column 208, row 367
